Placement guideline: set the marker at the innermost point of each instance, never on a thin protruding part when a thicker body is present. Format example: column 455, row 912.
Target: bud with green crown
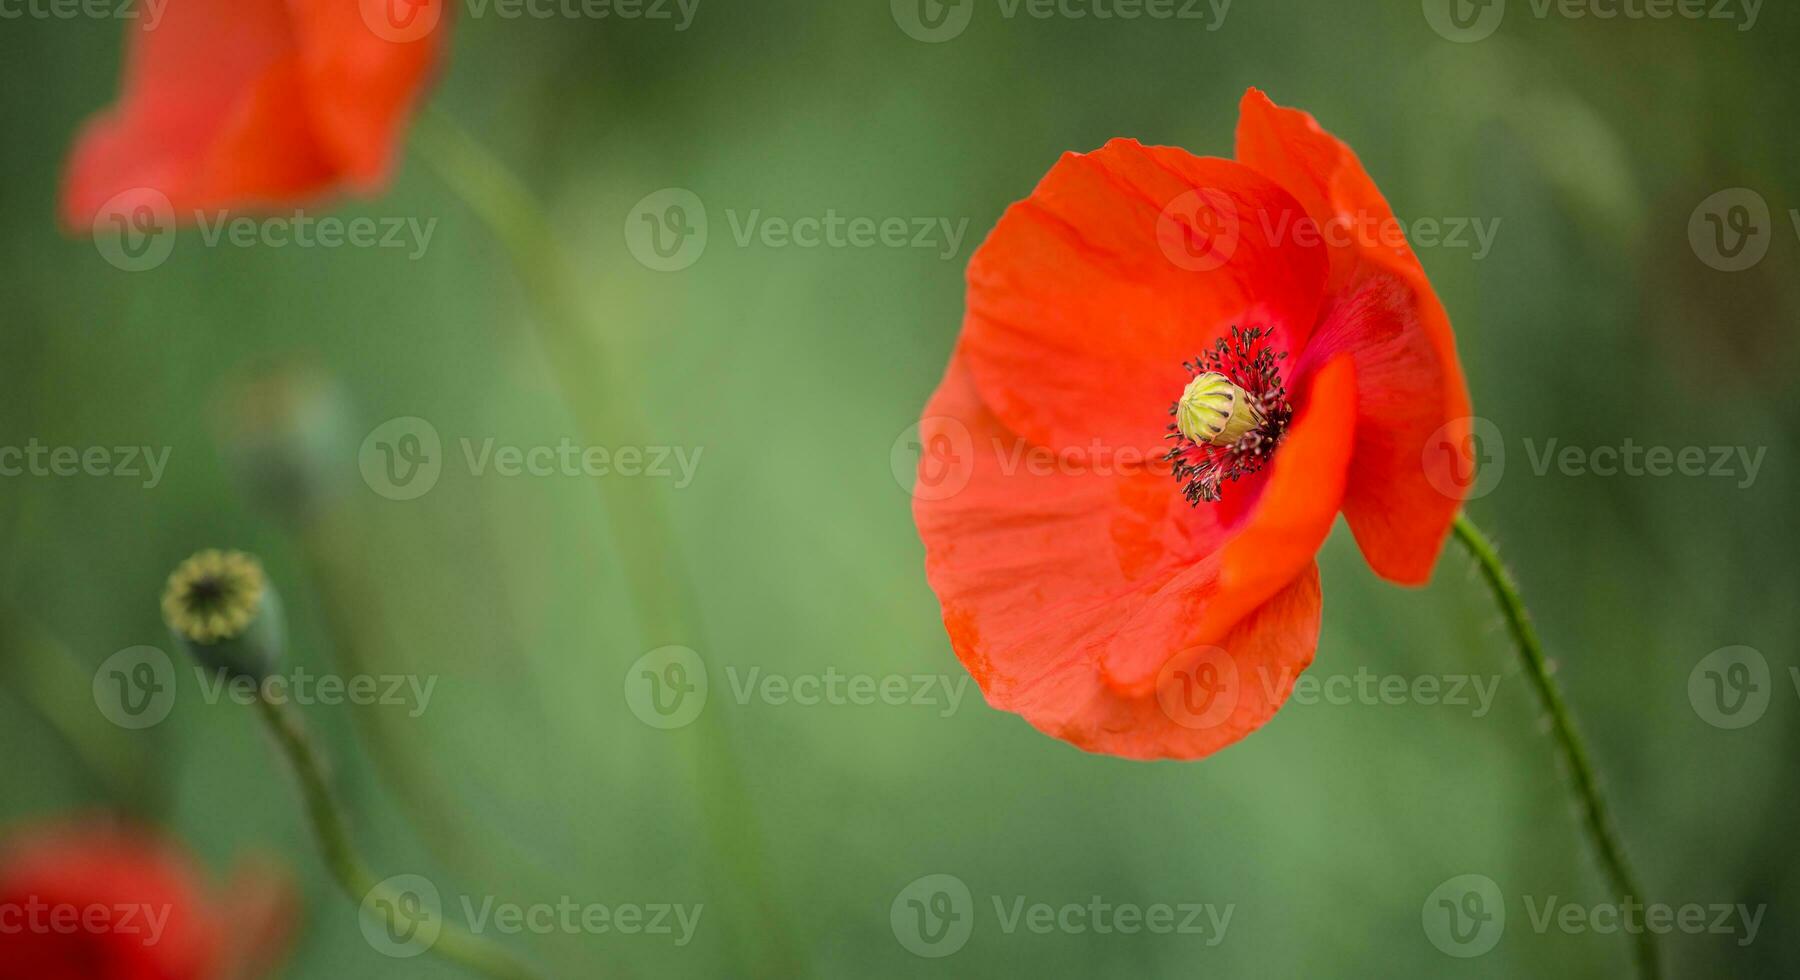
column 221, row 608
column 1213, row 411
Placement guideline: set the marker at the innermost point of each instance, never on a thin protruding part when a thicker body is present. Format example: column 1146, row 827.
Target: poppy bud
column 222, row 610
column 1214, row 411
column 283, row 431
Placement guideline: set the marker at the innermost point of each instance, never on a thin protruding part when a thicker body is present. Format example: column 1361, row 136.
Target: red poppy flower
column 1174, row 372
column 246, row 103
column 98, row 902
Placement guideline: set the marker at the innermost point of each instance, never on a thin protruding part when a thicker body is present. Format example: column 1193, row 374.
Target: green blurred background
column 1592, row 319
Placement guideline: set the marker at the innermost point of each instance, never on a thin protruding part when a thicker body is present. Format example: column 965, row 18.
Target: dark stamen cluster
column 1246, row 358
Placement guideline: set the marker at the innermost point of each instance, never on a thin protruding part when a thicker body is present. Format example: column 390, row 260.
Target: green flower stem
column 353, row 616
column 40, row 669
column 347, row 868
column 1598, row 817
column 661, row 593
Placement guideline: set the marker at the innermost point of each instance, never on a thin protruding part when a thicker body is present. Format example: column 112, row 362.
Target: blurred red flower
column 248, row 103
column 94, row 901
column 1147, row 588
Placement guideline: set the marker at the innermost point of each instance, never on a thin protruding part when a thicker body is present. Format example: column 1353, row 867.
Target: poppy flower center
column 1231, row 416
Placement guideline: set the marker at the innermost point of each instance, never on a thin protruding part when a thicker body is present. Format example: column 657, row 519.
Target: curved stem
column 662, row 594
column 1598, row 817
column 347, row 868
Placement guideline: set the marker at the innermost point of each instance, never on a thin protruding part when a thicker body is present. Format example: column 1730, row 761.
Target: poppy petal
column 230, row 103
column 1122, row 264
column 1401, row 498
column 361, row 85
column 90, row 864
column 1041, row 572
column 193, row 121
column 1278, row 537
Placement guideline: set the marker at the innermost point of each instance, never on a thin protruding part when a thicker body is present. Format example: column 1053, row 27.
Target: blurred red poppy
column 248, row 103
column 94, row 901
column 1145, row 587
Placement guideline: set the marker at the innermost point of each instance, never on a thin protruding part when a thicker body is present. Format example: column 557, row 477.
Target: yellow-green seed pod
column 1213, row 411
column 220, row 607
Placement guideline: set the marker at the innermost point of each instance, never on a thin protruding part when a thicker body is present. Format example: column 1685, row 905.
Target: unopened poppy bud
column 221, row 609
column 1213, row 411
column 283, row 430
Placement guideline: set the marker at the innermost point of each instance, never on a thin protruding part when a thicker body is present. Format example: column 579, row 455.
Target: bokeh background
column 1593, row 318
